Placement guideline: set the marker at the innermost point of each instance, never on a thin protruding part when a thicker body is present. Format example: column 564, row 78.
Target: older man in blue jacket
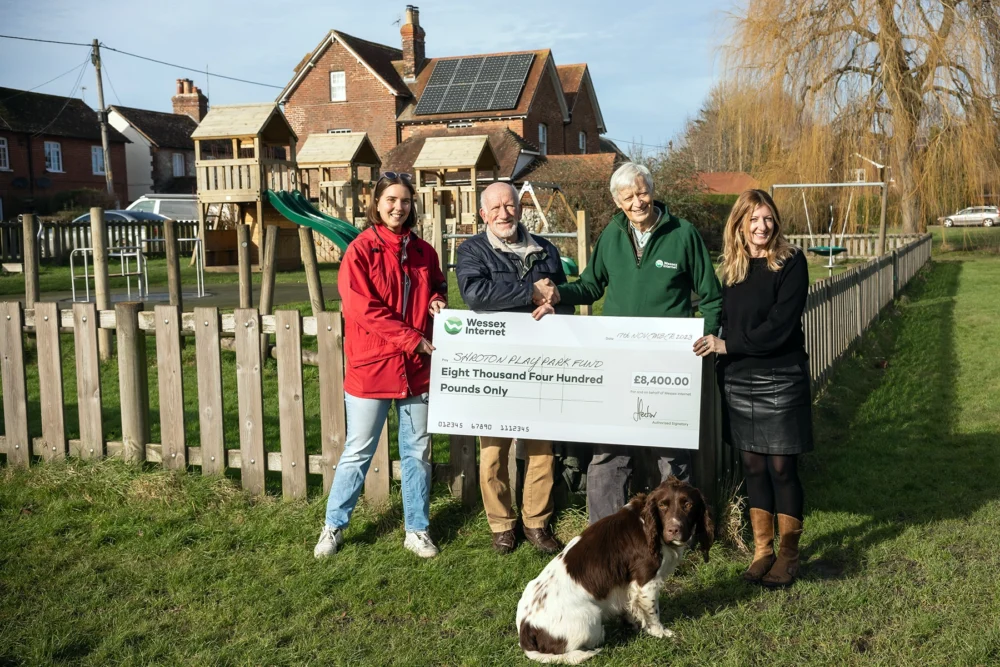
column 497, row 271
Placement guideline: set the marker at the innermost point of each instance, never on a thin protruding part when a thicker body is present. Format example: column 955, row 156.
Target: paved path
column 221, row 296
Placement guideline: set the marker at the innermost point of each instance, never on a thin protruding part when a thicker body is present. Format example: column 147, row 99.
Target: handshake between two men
column 545, row 296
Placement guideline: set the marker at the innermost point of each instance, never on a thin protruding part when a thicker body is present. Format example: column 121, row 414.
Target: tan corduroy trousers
column 494, row 481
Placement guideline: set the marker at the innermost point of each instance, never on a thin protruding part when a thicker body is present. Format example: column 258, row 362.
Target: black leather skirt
column 767, row 410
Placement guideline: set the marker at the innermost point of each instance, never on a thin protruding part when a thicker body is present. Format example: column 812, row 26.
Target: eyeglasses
column 392, row 176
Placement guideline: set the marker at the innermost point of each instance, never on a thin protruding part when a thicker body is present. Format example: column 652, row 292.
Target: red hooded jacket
column 379, row 335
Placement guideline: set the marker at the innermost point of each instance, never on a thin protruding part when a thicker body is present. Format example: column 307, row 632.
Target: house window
column 459, row 124
column 4, row 156
column 53, row 156
column 583, row 142
column 339, row 130
column 97, row 160
column 543, row 138
column 179, row 165
column 338, row 87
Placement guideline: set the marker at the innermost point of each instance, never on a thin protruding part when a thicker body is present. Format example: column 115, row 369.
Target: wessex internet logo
column 475, row 327
column 453, row 325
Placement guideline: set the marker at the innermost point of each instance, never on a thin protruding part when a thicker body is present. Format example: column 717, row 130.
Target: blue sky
column 652, row 66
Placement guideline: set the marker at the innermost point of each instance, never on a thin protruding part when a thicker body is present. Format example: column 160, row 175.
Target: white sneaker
column 419, row 542
column 330, row 540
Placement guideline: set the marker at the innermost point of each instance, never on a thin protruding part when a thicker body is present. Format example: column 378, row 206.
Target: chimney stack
column 413, row 44
column 190, row 100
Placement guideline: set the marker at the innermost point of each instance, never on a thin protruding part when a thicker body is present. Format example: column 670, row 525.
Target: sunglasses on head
column 392, row 176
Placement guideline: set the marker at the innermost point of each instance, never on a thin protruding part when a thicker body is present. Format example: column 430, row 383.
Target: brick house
column 51, row 144
column 398, row 95
column 160, row 157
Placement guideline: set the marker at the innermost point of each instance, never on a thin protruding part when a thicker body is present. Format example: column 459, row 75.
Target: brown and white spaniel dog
column 616, row 567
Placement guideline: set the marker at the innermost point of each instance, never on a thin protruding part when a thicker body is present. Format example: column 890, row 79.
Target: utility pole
column 102, row 117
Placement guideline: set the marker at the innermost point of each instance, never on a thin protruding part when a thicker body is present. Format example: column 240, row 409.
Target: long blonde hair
column 735, row 253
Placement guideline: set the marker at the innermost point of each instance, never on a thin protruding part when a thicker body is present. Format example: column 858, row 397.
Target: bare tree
column 920, row 76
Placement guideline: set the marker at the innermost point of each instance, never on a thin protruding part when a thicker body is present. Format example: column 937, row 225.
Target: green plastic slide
column 338, row 231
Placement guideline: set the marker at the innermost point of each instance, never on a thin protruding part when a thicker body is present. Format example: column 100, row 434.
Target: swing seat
column 827, row 250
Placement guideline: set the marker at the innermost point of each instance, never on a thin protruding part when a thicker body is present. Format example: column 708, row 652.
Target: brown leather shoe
column 504, row 542
column 543, row 540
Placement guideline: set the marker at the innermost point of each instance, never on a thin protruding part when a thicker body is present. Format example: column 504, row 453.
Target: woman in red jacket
column 391, row 286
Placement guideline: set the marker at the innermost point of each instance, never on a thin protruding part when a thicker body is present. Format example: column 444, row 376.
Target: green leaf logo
column 453, row 325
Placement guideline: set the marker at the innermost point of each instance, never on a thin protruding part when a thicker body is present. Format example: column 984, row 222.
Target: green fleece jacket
column 675, row 262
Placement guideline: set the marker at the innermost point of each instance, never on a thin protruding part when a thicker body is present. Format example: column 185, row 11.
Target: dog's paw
column 660, row 631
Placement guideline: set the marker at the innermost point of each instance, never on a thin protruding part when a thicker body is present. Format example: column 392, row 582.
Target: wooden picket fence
column 838, row 311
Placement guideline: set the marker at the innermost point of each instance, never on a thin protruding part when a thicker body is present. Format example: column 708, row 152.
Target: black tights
column 773, row 483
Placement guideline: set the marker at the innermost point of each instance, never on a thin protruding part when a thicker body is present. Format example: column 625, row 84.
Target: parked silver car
column 976, row 216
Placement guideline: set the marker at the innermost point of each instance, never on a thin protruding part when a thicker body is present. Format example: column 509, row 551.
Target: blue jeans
column 365, row 419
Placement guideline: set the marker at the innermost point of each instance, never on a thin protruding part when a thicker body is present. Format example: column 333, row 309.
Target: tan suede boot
column 763, row 544
column 786, row 566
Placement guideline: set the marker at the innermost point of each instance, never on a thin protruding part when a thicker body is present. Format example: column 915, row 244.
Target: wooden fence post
column 583, row 247
column 102, row 289
column 243, row 256
column 50, row 380
column 437, row 237
column 88, row 380
column 250, row 390
column 133, row 381
column 171, row 385
column 307, row 245
column 331, row 392
column 462, row 468
column 210, row 416
column 29, row 260
column 291, row 413
column 15, row 389
column 267, row 275
column 173, row 264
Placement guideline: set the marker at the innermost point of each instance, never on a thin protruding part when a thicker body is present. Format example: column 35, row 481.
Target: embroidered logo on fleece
column 660, row 264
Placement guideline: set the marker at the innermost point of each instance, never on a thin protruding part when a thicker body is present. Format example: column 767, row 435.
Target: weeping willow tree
column 913, row 80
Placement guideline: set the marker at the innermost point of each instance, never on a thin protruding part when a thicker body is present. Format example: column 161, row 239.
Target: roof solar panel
column 431, row 99
column 454, row 99
column 506, row 95
column 492, row 68
column 517, row 67
column 480, row 97
column 443, row 69
column 491, row 83
column 468, row 70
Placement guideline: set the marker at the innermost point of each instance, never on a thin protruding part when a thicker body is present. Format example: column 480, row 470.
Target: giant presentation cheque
column 609, row 380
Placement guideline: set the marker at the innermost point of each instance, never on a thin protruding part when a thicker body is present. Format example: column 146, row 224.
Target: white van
column 175, row 207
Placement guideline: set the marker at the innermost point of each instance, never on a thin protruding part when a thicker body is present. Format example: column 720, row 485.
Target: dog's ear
column 652, row 524
column 706, row 527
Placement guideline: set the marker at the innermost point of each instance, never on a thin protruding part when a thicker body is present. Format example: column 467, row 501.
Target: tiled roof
column 535, row 74
column 571, row 76
column 576, row 168
column 506, row 145
column 51, row 115
column 379, row 57
column 727, row 182
column 165, row 130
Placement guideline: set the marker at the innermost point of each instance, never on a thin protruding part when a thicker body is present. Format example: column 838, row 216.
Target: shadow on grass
column 888, row 446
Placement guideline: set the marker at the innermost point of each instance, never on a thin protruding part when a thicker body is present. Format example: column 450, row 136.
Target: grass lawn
column 102, row 564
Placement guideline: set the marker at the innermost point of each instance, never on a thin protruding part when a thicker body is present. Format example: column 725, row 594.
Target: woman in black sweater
column 764, row 376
